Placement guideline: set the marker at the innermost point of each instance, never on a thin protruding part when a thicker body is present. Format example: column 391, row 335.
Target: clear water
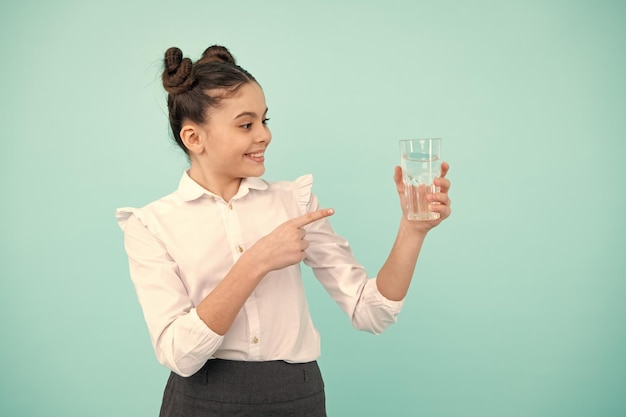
column 418, row 168
column 418, row 171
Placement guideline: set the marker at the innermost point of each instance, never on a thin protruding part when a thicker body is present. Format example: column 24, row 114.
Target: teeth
column 256, row 155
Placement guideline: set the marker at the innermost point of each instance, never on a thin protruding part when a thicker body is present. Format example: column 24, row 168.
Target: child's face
column 236, row 135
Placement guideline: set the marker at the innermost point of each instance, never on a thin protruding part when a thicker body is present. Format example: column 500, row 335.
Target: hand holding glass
column 420, row 162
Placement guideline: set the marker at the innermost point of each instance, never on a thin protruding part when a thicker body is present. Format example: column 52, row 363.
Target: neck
column 223, row 187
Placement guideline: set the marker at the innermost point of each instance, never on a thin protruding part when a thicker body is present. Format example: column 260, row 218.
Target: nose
column 264, row 136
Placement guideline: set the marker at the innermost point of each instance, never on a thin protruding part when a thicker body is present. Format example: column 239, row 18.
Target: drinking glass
column 420, row 162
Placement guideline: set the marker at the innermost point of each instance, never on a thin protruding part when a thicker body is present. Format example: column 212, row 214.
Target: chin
column 256, row 172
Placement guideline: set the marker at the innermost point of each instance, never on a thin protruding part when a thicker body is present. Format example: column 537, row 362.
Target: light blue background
column 517, row 307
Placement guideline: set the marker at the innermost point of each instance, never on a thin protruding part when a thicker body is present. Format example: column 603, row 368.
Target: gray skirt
column 233, row 388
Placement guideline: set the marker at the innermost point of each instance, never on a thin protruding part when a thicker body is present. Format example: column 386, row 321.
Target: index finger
column 444, row 169
column 311, row 217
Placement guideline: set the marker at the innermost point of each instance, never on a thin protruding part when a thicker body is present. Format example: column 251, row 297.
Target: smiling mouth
column 256, row 156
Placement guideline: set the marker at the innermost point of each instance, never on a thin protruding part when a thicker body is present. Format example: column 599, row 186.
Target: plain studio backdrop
column 517, row 304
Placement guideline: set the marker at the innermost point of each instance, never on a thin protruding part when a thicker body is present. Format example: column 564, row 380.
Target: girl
column 216, row 264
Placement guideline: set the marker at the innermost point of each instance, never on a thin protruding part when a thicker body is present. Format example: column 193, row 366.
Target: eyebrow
column 248, row 113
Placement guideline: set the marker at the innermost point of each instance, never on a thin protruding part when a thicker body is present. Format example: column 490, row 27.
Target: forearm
column 283, row 247
column 394, row 277
column 220, row 307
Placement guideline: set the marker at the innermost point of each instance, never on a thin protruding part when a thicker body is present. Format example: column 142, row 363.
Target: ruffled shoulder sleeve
column 302, row 188
column 123, row 214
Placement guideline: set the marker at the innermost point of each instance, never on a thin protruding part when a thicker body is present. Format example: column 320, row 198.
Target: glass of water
column 420, row 162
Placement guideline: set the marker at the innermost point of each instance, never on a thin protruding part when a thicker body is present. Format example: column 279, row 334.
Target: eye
column 267, row 119
column 246, row 126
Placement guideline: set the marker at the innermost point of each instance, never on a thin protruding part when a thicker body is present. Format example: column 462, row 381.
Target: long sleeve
column 347, row 282
column 181, row 340
column 182, row 245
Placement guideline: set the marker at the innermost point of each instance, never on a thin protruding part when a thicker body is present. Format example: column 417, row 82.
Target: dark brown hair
column 195, row 87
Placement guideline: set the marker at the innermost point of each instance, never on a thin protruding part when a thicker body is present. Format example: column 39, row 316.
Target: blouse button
column 230, row 206
column 240, row 249
column 255, row 340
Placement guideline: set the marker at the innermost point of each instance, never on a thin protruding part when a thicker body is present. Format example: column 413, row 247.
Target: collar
column 190, row 190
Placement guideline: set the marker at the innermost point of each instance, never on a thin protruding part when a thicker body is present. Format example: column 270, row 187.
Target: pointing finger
column 311, row 217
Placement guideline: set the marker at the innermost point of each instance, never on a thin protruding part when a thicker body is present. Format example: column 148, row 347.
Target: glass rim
column 411, row 140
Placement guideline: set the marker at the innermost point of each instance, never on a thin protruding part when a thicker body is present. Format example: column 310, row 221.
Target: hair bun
column 217, row 53
column 177, row 72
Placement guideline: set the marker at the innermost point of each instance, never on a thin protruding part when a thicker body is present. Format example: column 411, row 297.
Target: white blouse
column 181, row 246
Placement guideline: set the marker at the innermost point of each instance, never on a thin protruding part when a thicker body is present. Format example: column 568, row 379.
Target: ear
column 191, row 137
